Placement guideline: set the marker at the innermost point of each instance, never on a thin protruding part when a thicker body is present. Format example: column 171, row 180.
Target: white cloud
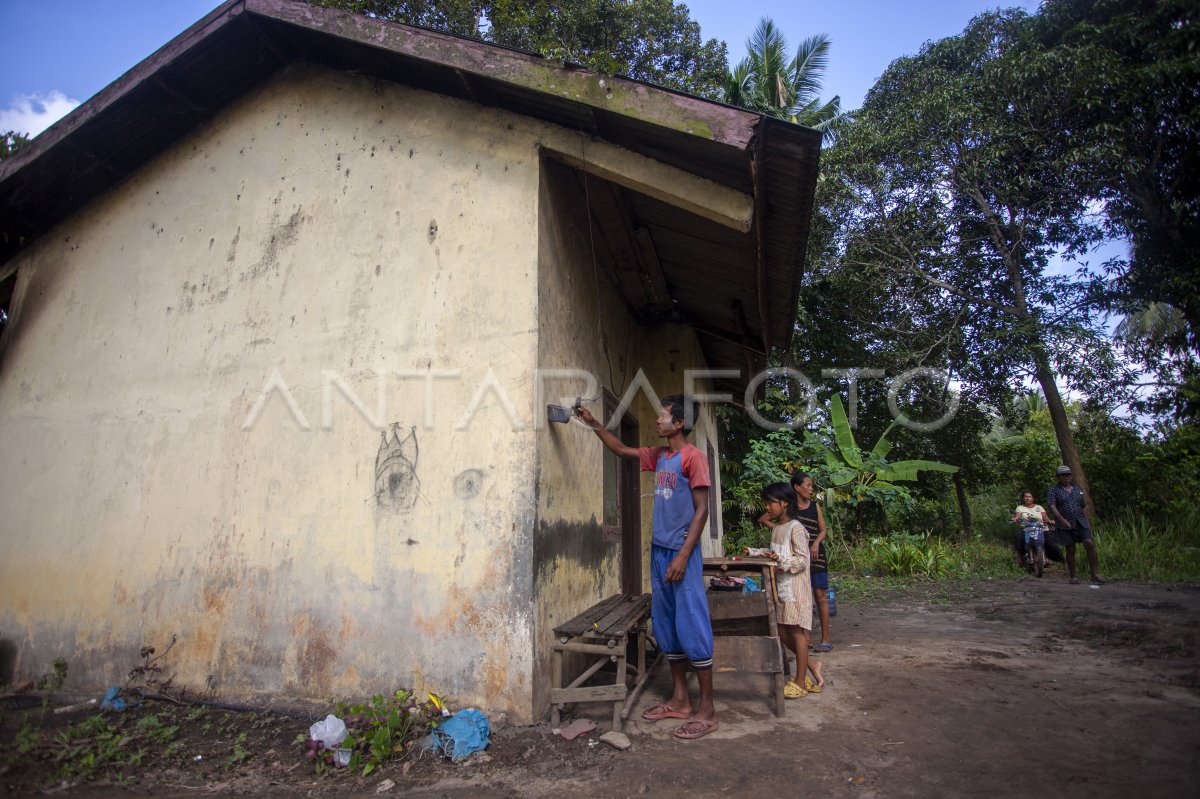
column 33, row 113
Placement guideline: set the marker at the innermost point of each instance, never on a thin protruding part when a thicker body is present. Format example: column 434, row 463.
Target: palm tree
column 766, row 82
column 1152, row 323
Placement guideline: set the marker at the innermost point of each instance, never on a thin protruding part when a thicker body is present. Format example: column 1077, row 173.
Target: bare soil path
column 1016, row 688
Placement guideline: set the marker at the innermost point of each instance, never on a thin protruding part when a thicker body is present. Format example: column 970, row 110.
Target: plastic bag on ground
column 115, row 702
column 330, row 731
column 463, row 734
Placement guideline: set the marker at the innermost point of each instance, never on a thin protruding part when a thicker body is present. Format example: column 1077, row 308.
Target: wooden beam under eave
column 671, row 185
column 760, row 237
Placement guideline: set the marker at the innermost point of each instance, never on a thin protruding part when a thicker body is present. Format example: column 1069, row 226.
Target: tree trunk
column 964, row 509
column 1062, row 429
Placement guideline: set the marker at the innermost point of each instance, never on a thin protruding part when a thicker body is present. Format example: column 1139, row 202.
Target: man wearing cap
column 1067, row 502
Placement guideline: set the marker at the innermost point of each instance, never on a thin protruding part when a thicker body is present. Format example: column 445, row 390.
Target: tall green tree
column 460, row 17
column 655, row 41
column 769, row 82
column 951, row 199
column 1124, row 78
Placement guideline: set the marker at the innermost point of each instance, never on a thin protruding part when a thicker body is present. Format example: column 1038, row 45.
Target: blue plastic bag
column 463, row 734
column 113, row 701
column 750, row 586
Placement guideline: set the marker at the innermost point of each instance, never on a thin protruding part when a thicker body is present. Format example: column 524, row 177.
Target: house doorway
column 622, row 499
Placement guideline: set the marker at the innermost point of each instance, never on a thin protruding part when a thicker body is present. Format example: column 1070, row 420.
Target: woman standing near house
column 814, row 523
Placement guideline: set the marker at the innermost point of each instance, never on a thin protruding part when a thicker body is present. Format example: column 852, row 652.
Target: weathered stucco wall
column 573, row 565
column 325, row 232
column 585, row 326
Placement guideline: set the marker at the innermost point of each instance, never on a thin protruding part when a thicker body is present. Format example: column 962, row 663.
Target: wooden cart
column 603, row 633
column 745, row 631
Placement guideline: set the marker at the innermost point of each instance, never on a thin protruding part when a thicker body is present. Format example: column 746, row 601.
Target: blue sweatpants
column 679, row 610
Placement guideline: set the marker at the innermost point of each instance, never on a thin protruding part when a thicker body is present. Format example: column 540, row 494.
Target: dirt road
column 1007, row 688
column 1014, row 688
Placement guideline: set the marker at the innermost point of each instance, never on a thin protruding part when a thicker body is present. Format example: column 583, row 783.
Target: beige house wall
column 326, row 236
column 276, row 396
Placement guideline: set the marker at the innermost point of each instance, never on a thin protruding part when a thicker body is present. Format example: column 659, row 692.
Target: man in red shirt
column 679, row 608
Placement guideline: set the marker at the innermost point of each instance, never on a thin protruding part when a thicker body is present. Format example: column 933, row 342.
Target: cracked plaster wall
column 322, row 231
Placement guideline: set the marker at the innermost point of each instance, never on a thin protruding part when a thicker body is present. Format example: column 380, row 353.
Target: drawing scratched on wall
column 396, row 483
column 468, row 483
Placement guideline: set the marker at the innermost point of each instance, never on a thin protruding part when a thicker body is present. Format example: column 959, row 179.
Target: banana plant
column 852, row 473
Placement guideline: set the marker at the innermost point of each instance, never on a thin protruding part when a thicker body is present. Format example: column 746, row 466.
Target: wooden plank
column 641, row 683
column 747, row 653
column 622, row 673
column 592, row 669
column 624, row 616
column 584, row 621
column 590, row 649
column 557, row 684
column 753, row 626
column 772, row 596
column 724, row 605
column 596, row 693
column 742, row 562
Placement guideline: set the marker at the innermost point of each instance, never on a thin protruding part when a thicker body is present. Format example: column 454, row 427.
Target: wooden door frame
column 629, row 504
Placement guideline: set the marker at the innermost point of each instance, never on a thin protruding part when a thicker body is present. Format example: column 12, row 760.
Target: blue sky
column 55, row 54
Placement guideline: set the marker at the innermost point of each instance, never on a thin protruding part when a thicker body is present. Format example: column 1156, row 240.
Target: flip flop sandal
column 663, row 712
column 793, row 691
column 811, row 686
column 826, row 647
column 696, row 728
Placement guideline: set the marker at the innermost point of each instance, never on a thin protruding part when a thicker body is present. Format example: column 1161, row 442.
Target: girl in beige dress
column 789, row 548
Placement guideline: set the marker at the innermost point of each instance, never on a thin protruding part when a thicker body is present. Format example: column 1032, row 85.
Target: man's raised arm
column 612, row 442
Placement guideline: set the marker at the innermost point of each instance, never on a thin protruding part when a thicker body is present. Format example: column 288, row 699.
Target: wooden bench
column 603, row 633
column 745, row 632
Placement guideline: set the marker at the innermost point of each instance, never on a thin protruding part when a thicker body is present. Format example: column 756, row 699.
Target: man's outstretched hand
column 586, row 416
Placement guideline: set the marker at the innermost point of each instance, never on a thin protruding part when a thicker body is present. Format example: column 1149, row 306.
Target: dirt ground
column 1017, row 687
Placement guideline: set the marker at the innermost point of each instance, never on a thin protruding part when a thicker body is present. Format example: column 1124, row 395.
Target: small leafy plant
column 101, row 746
column 240, row 753
column 380, row 730
column 52, row 682
column 911, row 555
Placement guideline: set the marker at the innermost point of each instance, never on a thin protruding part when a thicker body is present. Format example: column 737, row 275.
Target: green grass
column 1130, row 547
column 924, row 567
column 100, row 746
column 925, row 557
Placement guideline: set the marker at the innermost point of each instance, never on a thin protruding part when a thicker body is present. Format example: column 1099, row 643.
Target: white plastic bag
column 330, row 731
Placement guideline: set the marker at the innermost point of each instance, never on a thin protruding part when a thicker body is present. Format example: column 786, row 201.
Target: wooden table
column 603, row 633
column 745, row 631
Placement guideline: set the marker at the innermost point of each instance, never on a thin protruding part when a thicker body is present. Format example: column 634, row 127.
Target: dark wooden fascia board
column 662, row 107
column 145, row 71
